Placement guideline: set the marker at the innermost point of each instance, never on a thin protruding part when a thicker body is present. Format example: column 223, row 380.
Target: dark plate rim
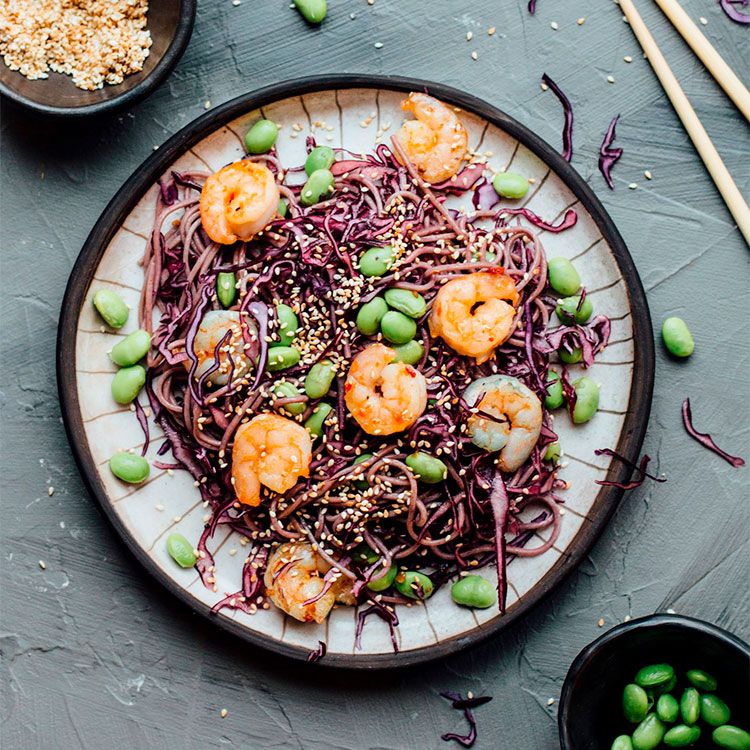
column 636, row 419
column 182, row 33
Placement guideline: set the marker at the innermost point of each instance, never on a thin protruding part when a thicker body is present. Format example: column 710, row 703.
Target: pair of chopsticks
column 723, row 75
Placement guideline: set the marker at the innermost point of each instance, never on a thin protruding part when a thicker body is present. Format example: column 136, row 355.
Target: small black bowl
column 590, row 716
column 170, row 23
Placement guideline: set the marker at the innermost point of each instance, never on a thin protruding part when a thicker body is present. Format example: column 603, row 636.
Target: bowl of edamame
column 657, row 682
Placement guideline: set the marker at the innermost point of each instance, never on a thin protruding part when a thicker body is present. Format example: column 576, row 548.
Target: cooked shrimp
column 294, row 575
column 382, row 395
column 214, row 327
column 473, row 314
column 520, row 412
column 238, row 201
column 272, row 451
column 436, row 141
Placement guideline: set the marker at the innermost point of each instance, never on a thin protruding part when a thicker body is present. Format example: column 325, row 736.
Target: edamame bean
column 386, row 581
column 319, row 185
column 510, row 185
column 414, row 585
column 313, row 11
column 288, row 324
column 289, row 390
column 587, row 402
column 111, row 306
column 376, row 261
column 261, row 137
column 731, row 738
column 682, row 736
column 570, row 358
column 129, row 467
column 131, row 349
column 226, row 288
column 634, row 703
column 321, row 157
column 563, row 277
column 701, row 680
column 553, row 452
column 362, row 484
column 653, row 675
column 397, row 327
column 314, row 423
column 667, row 708
column 406, row 302
column 649, row 733
column 127, row 383
column 426, row 468
column 283, row 208
column 572, row 310
column 370, row 315
column 690, row 705
column 677, row 337
column 181, row 551
column 623, row 742
column 474, row 591
column 714, row 711
column 281, row 358
column 319, row 379
column 409, row 353
column 555, row 397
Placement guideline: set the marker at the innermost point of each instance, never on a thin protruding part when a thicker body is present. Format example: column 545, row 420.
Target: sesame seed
column 50, row 490
column 43, row 565
column 474, row 56
column 491, row 31
column 610, row 79
column 207, row 104
column 543, row 86
column 633, row 185
column 469, row 36
column 550, row 701
column 378, row 45
column 555, row 26
column 647, row 175
column 223, row 713
column 703, row 20
column 628, row 59
column 581, row 21
column 600, row 622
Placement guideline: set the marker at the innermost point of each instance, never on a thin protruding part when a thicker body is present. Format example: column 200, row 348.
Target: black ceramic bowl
column 590, row 716
column 170, row 23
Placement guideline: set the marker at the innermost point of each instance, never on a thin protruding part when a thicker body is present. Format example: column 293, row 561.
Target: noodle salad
column 359, row 377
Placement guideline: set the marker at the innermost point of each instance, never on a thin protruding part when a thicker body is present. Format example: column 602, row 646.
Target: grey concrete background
column 95, row 655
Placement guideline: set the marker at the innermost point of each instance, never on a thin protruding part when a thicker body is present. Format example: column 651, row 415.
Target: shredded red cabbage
column 385, row 613
column 317, row 653
column 567, row 134
column 609, row 156
column 465, row 705
column 140, row 415
column 500, row 506
column 640, row 467
column 532, row 7
column 730, row 8
column 705, row 439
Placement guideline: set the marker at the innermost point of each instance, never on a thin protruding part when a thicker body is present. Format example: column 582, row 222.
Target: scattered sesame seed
column 633, row 185
column 610, row 79
column 469, row 36
column 43, row 565
column 223, row 713
column 543, row 86
column 550, row 701
column 555, row 25
column 207, row 104
column 159, row 507
column 50, row 490
column 491, row 31
column 703, row 20
column 627, row 618
column 581, row 21
column 647, row 175
column 600, row 623
column 236, row 2
column 670, row 611
column 474, row 55
column 628, row 59
column 378, row 45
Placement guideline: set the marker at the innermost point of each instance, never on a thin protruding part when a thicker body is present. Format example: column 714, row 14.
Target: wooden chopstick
column 705, row 51
column 703, row 145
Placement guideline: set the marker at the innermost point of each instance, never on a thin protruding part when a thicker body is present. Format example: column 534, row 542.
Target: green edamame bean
column 261, row 137
column 281, row 358
column 226, row 288
column 362, row 484
column 623, row 742
column 313, row 11
column 568, row 309
column 701, row 680
column 690, row 705
column 314, row 423
column 474, row 591
column 553, row 452
column 288, row 324
column 321, row 157
column 653, row 675
column 181, row 551
column 426, row 468
column 570, row 358
column 370, row 315
column 397, row 327
column 381, row 584
column 127, row 383
column 283, row 208
column 376, row 261
column 714, row 711
column 634, row 703
column 731, row 738
column 587, row 402
column 406, row 302
column 319, row 185
column 510, row 185
column 677, row 337
column 319, row 379
column 131, row 349
column 409, row 353
column 111, row 306
column 649, row 733
column 414, row 585
column 563, row 277
column 289, row 390
column 667, row 708
column 554, row 398
column 682, row 736
column 129, row 467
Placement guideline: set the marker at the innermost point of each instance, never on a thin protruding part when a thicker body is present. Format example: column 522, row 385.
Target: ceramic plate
column 350, row 112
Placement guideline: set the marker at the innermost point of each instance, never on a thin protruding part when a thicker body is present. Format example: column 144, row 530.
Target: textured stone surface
column 94, row 654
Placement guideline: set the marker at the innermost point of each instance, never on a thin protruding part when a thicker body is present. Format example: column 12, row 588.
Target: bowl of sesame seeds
column 96, row 57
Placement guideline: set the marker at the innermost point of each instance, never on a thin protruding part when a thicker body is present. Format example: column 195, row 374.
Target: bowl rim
column 649, row 622
column 182, row 33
